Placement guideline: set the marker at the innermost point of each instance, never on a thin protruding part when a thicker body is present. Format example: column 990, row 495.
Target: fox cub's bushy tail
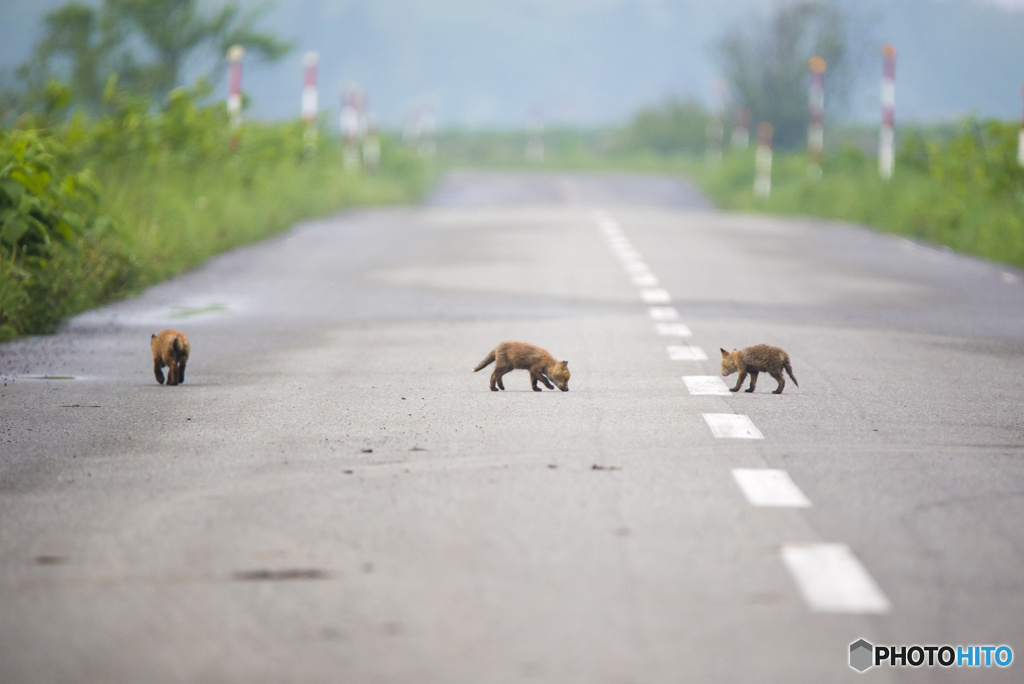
column 490, row 359
column 789, row 370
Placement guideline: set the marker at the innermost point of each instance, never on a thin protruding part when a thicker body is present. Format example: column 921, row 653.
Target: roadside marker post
column 816, row 127
column 1020, row 142
column 350, row 125
column 741, row 129
column 886, row 138
column 235, row 54
column 763, row 161
column 309, row 102
column 371, row 146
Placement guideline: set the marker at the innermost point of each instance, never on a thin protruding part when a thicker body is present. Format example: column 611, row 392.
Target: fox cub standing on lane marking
column 510, row 356
column 760, row 358
column 170, row 348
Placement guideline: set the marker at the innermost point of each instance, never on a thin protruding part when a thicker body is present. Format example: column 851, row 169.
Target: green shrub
column 956, row 186
column 94, row 209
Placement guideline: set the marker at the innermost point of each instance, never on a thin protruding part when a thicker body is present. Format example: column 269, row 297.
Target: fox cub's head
column 730, row 362
column 559, row 374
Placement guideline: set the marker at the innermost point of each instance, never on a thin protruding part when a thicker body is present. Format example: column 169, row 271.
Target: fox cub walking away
column 510, row 356
column 760, row 358
column 170, row 348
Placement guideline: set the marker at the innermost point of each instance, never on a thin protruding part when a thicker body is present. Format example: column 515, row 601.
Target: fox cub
column 510, row 356
column 757, row 359
column 170, row 348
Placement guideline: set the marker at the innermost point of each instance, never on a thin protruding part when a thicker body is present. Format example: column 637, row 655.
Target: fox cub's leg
column 739, row 381
column 781, row 380
column 534, row 377
column 753, row 380
column 496, row 383
column 181, row 372
column 172, row 372
column 544, row 379
column 158, row 370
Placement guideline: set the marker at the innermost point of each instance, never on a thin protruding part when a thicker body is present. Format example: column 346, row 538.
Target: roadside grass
column 175, row 219
column 956, row 184
column 162, row 218
column 913, row 203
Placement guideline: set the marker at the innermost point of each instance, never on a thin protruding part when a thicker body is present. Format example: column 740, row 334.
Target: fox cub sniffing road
column 170, row 348
column 760, row 358
column 510, row 356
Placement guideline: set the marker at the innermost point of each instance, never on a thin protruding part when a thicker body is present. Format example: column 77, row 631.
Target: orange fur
column 760, row 358
column 171, row 349
column 543, row 367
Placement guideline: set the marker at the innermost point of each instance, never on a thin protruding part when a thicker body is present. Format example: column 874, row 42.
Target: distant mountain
column 485, row 63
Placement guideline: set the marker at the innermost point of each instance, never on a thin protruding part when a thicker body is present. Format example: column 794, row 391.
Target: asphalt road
column 332, row 496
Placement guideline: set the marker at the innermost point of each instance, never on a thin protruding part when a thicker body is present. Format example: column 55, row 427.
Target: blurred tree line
column 764, row 63
column 674, row 127
column 146, row 43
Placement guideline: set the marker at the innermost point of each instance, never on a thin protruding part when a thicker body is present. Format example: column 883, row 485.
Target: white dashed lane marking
column 767, row 487
column 730, row 425
column 663, row 313
column 705, row 384
column 628, row 255
column 685, row 353
column 832, row 580
column 655, row 296
column 676, row 329
column 829, row 576
column 634, row 267
column 645, row 280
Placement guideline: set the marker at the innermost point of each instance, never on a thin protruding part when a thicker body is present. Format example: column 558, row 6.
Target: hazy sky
column 490, row 63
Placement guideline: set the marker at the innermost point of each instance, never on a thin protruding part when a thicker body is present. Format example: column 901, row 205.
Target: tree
column 675, row 126
column 766, row 67
column 174, row 29
column 145, row 42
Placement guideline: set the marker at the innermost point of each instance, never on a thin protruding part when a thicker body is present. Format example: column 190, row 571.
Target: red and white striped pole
column 816, row 127
column 887, row 136
column 763, row 160
column 309, row 94
column 235, row 54
column 1020, row 143
column 309, row 101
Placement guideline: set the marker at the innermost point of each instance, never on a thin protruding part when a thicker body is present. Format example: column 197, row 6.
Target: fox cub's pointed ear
column 565, row 364
column 724, row 353
column 153, row 336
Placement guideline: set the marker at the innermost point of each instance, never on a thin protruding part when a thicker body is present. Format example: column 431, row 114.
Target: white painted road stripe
column 767, row 487
column 685, row 353
column 657, row 296
column 677, row 329
column 832, row 580
column 645, row 280
column 705, row 384
column 636, row 267
column 732, row 426
column 663, row 313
